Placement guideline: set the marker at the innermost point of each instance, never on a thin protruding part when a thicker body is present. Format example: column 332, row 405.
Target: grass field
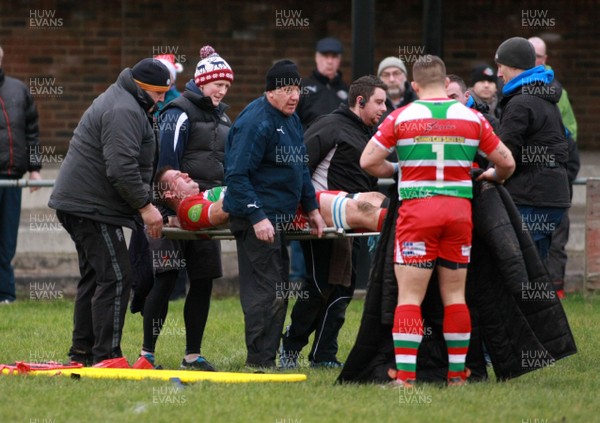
column 40, row 331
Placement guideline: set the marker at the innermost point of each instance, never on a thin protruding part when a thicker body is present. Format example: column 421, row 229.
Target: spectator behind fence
column 324, row 89
column 393, row 73
column 19, row 153
column 557, row 258
column 457, row 90
column 484, row 89
column 564, row 104
column 436, row 139
column 103, row 182
column 267, row 176
column 531, row 127
column 174, row 68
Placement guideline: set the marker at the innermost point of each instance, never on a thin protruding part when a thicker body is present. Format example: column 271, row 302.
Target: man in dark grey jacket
column 19, row 148
column 103, row 183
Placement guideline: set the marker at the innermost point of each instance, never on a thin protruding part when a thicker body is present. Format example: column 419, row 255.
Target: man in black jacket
column 324, row 89
column 531, row 127
column 19, row 148
column 103, row 183
column 322, row 93
column 334, row 143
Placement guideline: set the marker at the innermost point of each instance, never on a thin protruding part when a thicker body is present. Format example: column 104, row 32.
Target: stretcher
column 225, row 234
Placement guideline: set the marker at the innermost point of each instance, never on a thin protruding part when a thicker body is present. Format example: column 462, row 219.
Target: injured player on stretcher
column 196, row 210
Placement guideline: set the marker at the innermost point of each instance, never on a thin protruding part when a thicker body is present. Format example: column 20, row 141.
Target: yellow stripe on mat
column 186, row 376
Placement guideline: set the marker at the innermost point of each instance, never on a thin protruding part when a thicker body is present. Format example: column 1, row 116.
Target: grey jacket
column 19, row 144
column 107, row 171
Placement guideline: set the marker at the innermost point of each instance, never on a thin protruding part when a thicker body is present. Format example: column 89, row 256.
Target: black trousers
column 103, row 290
column 263, row 270
column 321, row 308
column 195, row 311
column 201, row 259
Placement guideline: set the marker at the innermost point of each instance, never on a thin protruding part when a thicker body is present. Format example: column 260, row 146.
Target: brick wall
column 70, row 51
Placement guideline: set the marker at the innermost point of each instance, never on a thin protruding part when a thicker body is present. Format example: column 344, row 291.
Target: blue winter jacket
column 266, row 165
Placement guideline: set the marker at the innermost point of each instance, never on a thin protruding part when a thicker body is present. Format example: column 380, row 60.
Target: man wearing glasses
column 266, row 174
column 392, row 72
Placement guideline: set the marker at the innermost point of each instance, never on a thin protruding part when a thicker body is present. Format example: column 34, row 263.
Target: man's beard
column 395, row 92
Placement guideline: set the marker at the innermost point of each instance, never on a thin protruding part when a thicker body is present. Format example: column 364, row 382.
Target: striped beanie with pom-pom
column 211, row 67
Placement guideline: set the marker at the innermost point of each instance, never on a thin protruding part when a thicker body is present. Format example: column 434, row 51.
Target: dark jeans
column 297, row 266
column 263, row 270
column 10, row 214
column 541, row 222
column 103, row 290
column 321, row 308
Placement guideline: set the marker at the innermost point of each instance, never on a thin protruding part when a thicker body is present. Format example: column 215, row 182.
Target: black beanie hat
column 152, row 75
column 483, row 73
column 516, row 52
column 282, row 74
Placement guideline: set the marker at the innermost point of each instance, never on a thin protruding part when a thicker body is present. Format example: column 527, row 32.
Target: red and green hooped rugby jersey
column 436, row 141
column 194, row 212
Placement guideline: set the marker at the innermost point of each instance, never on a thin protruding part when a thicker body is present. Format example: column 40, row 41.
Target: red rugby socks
column 457, row 333
column 407, row 333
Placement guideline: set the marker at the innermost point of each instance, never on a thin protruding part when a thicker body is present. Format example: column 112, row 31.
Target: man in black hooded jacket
column 531, row 127
column 334, row 144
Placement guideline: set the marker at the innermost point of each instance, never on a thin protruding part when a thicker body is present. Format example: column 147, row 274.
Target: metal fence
column 25, row 183
column 591, row 273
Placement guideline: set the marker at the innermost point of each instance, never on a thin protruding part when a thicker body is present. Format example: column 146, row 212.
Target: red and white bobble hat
column 169, row 61
column 211, row 67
